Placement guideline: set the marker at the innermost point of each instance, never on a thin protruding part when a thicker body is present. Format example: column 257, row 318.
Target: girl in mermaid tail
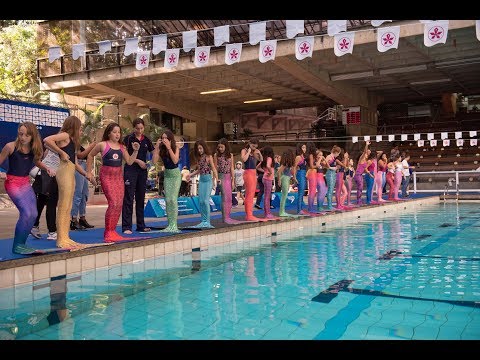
column 284, row 175
column 311, row 176
column 66, row 144
column 223, row 159
column 320, row 164
column 268, row 177
column 111, row 176
column 22, row 154
column 331, row 175
column 250, row 155
column 166, row 149
column 205, row 167
column 300, row 173
column 349, row 172
column 361, row 166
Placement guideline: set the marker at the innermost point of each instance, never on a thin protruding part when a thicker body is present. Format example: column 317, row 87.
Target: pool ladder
column 449, row 185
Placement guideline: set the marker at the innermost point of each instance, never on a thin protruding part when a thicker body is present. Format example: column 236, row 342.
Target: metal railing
column 442, row 181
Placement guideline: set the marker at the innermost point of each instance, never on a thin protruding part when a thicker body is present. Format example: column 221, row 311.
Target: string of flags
column 435, row 32
column 444, row 138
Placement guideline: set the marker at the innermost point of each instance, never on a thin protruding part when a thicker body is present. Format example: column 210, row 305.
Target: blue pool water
column 414, row 276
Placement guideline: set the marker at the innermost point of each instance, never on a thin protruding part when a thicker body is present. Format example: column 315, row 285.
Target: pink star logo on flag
column 143, row 60
column 267, row 51
column 388, row 39
column 233, row 54
column 172, row 58
column 343, row 44
column 202, row 57
column 304, row 47
column 435, row 34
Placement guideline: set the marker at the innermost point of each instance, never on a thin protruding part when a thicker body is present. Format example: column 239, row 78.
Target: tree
column 18, row 54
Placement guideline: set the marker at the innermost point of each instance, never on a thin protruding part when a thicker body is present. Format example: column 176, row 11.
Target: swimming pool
column 413, row 276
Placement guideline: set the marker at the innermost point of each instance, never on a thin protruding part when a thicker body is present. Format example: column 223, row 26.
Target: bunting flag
column 458, row 134
column 473, row 142
column 473, row 133
column 202, row 56
column 387, row 38
column 391, row 138
column 377, row 23
column 416, row 136
column 435, row 33
column 336, row 27
column 104, row 46
column 426, row 21
column 131, row 46
column 444, row 135
column 54, row 53
column 354, row 139
column 477, row 29
column 257, row 32
column 233, row 52
column 430, row 136
column 304, row 47
column 221, row 34
column 421, row 143
column 446, row 142
column 143, row 58
column 171, row 58
column 459, row 142
column 343, row 43
column 189, row 39
column 404, row 137
column 78, row 50
column 159, row 43
column 433, row 142
column 266, row 50
column 295, row 27
column 366, row 138
column 378, row 138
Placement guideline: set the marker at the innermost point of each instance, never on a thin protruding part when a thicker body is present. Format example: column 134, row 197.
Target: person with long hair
column 284, row 175
column 381, row 168
column 66, row 144
column 321, row 165
column 135, row 178
column 300, row 168
column 331, row 175
column 268, row 178
column 223, row 159
column 22, row 154
column 361, row 166
column 349, row 172
column 311, row 176
column 250, row 155
column 205, row 168
column 111, row 176
column 166, row 148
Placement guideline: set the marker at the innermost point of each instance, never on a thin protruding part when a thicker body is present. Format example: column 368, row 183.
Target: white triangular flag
column 477, row 29
column 54, row 53
column 420, row 143
column 295, row 27
column 391, row 138
column 335, row 27
column 304, row 47
column 143, row 58
column 233, row 52
column 473, row 142
column 171, row 58
column 443, row 135
column 366, row 138
column 343, row 43
column 433, row 142
column 435, row 33
column 404, row 137
column 257, row 32
column 416, row 136
column 387, row 38
column 378, row 138
column 430, row 136
column 266, row 50
column 189, row 39
column 458, row 134
column 426, row 21
column 104, row 46
column 131, row 46
column 221, row 34
column 378, row 22
column 78, row 50
column 202, row 56
column 446, row 142
column 354, row 139
column 159, row 43
column 472, row 133
column 459, row 142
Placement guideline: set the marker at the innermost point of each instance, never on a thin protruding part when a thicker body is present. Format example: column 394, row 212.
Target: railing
column 441, row 181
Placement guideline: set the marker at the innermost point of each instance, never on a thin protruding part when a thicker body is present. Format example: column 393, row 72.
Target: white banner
column 443, row 135
column 266, row 50
column 233, row 52
column 473, row 142
column 54, row 53
column 335, row 27
column 446, row 142
column 78, row 50
column 304, row 47
column 354, row 139
column 104, row 46
column 404, row 137
column 257, row 32
column 387, row 38
column 377, row 23
column 459, row 142
column 202, row 56
column 435, row 32
column 343, row 43
column 131, row 46
column 378, row 138
column 366, row 138
column 416, row 136
column 391, row 138
column 473, row 133
column 221, row 34
column 189, row 39
column 159, row 43
column 143, row 58
column 420, row 143
column 171, row 58
column 433, row 142
column 295, row 27
column 430, row 136
column 458, row 134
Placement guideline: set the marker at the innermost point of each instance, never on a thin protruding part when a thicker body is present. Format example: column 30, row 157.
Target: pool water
column 410, row 276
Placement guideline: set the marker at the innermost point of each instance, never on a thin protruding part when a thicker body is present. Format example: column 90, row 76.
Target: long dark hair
column 288, row 158
column 267, row 152
column 206, row 149
column 227, row 151
column 108, row 130
column 173, row 144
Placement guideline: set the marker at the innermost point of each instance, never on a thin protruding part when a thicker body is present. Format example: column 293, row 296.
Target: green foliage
column 18, row 54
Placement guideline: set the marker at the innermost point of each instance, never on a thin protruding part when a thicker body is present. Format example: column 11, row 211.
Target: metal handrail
column 449, row 183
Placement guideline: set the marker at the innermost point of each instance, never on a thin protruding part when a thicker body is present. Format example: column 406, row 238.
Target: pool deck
column 27, row 270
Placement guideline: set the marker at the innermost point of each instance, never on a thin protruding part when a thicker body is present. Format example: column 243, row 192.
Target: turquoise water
column 415, row 276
